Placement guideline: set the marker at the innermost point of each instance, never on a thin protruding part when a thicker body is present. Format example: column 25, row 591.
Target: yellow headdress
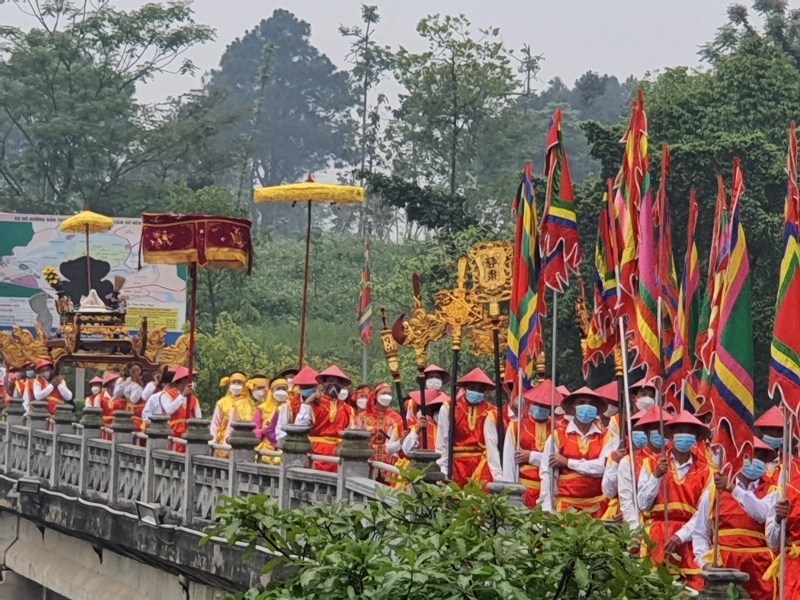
column 233, row 378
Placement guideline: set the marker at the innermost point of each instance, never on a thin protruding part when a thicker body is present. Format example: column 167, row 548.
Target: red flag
column 365, row 301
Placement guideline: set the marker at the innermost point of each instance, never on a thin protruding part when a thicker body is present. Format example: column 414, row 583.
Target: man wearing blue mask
column 476, row 456
column 574, row 457
column 304, row 385
column 619, row 477
column 522, row 456
column 683, row 477
column 770, row 424
column 745, row 503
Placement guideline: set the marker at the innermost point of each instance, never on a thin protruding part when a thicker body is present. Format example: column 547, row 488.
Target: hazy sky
column 620, row 37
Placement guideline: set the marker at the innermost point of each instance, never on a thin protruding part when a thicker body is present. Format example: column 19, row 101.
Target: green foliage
column 439, row 542
column 73, row 131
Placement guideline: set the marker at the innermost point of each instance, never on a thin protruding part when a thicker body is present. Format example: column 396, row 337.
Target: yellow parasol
column 309, row 192
column 87, row 222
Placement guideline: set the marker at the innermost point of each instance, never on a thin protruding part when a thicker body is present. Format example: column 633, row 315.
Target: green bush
column 440, row 543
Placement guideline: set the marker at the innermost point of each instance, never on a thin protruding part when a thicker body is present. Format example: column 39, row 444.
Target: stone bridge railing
column 120, row 472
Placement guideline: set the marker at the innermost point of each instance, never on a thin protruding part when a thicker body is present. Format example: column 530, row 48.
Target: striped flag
column 602, row 335
column 560, row 245
column 365, row 301
column 733, row 362
column 683, row 362
column 666, row 276
column 524, row 324
column 784, row 368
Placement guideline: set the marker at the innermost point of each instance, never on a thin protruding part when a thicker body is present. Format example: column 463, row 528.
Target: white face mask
column 344, row 393
column 644, row 402
column 434, row 383
column 361, row 403
column 280, row 395
column 290, row 382
column 259, row 394
column 611, row 411
column 96, row 389
column 385, row 400
column 236, row 388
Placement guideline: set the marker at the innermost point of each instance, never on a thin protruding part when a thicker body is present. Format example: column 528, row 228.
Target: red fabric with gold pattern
column 534, row 435
column 204, row 240
column 53, row 399
column 469, row 451
column 581, row 492
column 328, row 418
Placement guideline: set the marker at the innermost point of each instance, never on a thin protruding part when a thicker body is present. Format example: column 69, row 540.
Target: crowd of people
column 670, row 486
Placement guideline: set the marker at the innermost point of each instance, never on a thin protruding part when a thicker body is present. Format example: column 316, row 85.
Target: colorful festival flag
column 365, row 301
column 524, row 325
column 560, row 245
column 683, row 363
column 784, row 368
column 733, row 362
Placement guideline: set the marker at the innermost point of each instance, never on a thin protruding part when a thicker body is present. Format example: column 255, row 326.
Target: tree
column 304, row 102
column 73, row 132
column 440, row 542
column 451, row 89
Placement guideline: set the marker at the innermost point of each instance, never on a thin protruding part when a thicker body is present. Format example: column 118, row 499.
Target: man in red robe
column 476, row 456
column 178, row 402
column 328, row 414
column 48, row 387
column 303, row 386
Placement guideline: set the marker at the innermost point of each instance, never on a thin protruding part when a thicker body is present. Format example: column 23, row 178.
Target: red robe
column 387, row 423
column 534, row 435
column 53, row 399
column 742, row 543
column 575, row 490
column 469, row 444
column 328, row 418
column 684, row 497
column 177, row 420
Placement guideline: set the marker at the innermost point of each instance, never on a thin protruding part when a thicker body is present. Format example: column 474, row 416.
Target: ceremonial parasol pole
column 309, row 192
column 788, row 422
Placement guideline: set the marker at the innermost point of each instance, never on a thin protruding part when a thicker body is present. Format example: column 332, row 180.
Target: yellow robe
column 268, row 409
column 223, row 407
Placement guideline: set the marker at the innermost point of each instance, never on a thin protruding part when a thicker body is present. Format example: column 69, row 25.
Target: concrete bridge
column 88, row 517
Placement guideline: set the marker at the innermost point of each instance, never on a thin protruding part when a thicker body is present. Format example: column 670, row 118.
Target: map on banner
column 29, row 243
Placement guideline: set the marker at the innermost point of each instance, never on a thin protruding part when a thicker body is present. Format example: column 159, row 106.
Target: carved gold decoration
column 19, row 346
column 389, row 345
column 481, row 337
column 107, row 332
column 156, row 341
column 491, row 264
column 177, row 354
column 618, row 370
column 457, row 308
column 541, row 370
column 583, row 317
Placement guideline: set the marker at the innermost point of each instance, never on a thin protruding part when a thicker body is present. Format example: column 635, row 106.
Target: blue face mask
column 775, row 443
column 656, row 439
column 474, row 397
column 684, row 441
column 754, row 469
column 586, row 413
column 540, row 413
column 30, row 374
column 639, row 439
column 305, row 394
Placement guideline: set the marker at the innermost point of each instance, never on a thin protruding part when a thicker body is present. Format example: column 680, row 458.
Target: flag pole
column 627, row 396
column 717, row 509
column 553, row 375
column 519, row 416
column 788, row 419
column 660, row 404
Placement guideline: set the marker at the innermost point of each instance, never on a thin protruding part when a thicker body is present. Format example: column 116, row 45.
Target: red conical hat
column 306, row 377
column 43, row 363
column 437, row 370
column 772, row 418
column 542, row 394
column 476, row 376
column 569, row 402
column 687, row 418
column 644, row 383
column 563, row 390
column 180, row 373
column 652, row 416
column 638, row 415
column 610, row 392
column 96, row 380
column 332, row 371
column 759, row 445
column 110, row 376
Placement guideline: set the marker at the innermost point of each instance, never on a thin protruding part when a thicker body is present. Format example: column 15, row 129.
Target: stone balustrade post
column 354, row 452
column 15, row 414
column 516, row 491
column 197, row 436
column 243, row 443
column 425, row 461
column 92, row 422
column 121, row 433
column 158, row 432
column 718, row 581
column 37, row 421
column 295, row 447
column 63, row 419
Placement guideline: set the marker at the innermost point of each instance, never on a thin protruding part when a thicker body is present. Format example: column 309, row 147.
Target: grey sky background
column 619, row 37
